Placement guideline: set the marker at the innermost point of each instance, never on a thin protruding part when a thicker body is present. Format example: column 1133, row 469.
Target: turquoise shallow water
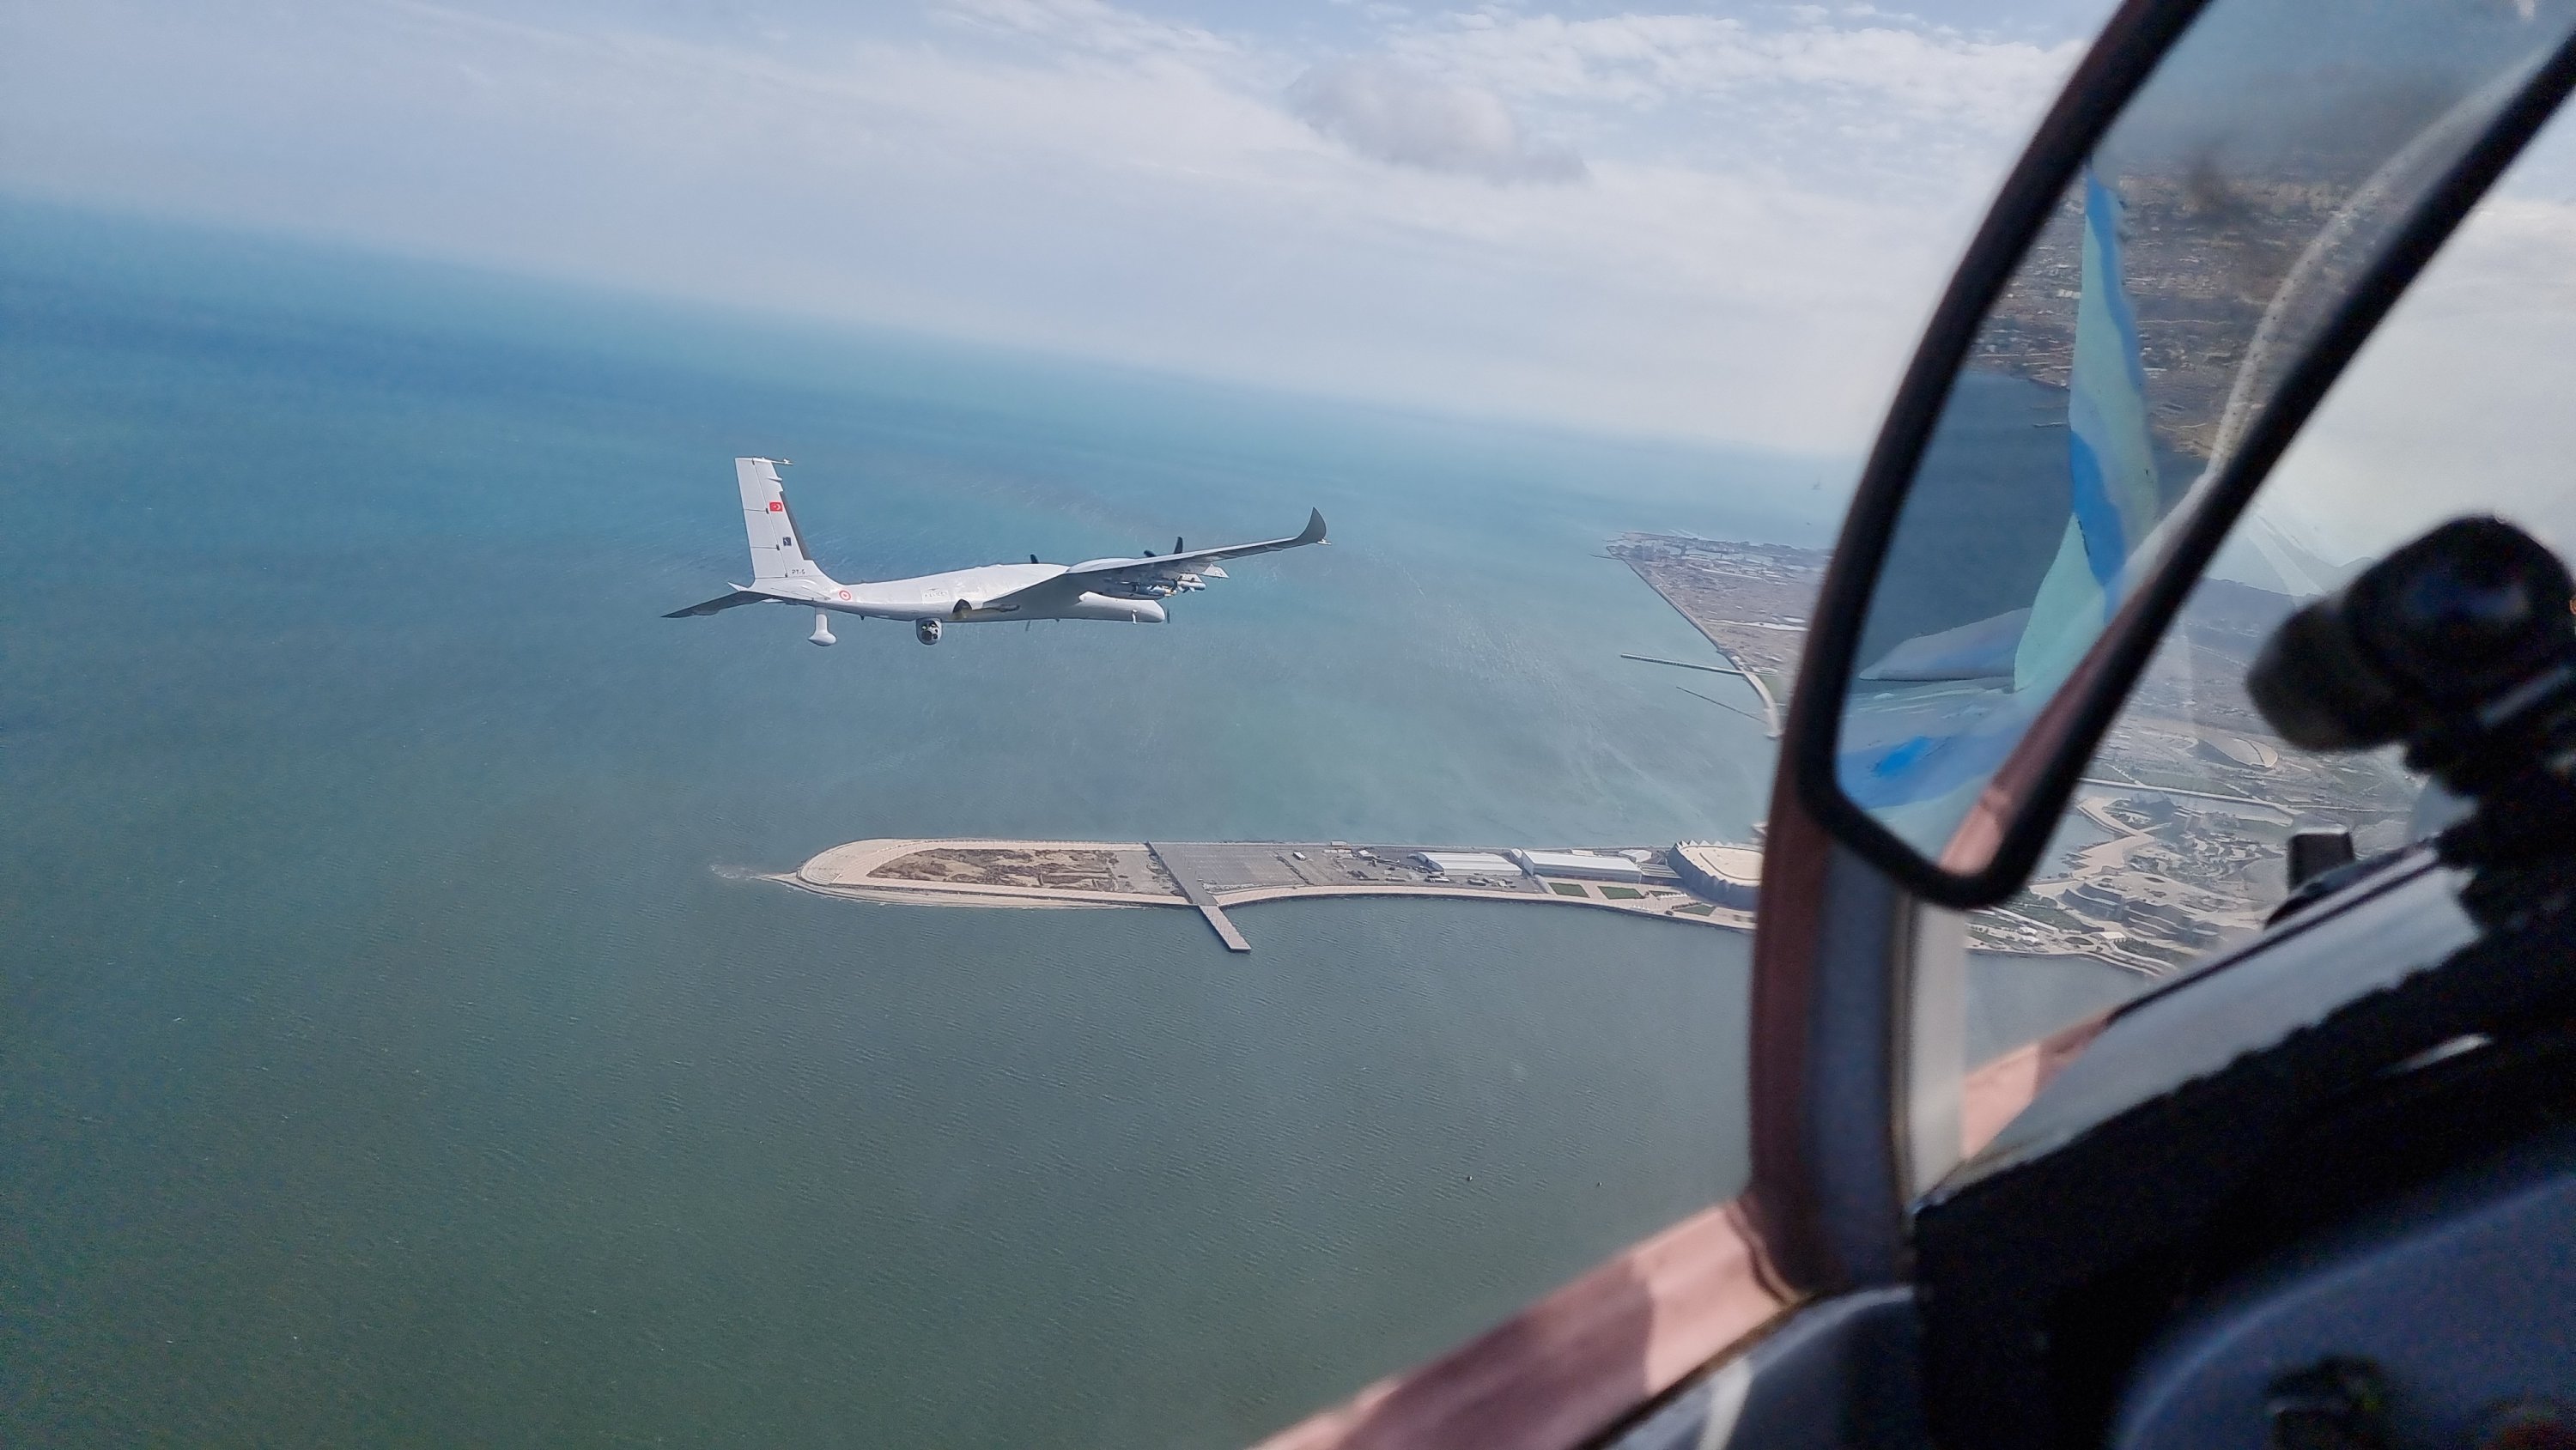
column 392, row 1053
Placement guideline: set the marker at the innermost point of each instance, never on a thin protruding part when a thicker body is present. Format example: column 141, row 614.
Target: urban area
column 2174, row 843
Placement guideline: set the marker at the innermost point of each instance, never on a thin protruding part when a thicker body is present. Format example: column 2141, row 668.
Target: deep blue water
column 391, row 1053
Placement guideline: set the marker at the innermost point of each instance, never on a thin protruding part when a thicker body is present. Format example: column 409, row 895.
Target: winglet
column 1314, row 533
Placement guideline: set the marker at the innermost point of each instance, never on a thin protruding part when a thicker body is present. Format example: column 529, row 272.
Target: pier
column 1202, row 898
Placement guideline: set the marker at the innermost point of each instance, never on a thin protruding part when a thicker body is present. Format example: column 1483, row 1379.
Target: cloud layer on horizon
column 1726, row 226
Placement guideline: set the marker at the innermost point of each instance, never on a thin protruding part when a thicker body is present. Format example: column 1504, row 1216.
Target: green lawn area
column 1622, row 893
column 1696, row 909
column 1567, row 888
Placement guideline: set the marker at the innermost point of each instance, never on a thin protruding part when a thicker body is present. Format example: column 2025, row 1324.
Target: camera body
column 2462, row 647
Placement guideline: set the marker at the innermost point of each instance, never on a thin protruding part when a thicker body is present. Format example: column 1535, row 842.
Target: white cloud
column 1915, row 73
column 1768, row 213
column 2458, row 404
column 1087, row 25
column 1380, row 109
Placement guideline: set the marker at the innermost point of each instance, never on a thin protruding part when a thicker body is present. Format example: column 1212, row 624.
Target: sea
column 398, row 1044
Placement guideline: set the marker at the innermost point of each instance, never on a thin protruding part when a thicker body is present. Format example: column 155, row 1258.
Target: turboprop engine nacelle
column 822, row 630
column 926, row 630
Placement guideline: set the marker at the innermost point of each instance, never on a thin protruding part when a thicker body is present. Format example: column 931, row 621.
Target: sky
column 1724, row 223
column 2459, row 403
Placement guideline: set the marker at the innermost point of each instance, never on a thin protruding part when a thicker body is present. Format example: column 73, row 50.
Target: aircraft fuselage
column 940, row 597
column 784, row 572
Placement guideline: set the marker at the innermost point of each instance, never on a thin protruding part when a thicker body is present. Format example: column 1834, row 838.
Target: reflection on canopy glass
column 2201, row 251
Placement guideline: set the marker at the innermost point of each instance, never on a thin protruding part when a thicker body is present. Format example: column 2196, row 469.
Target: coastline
column 1774, row 715
column 1213, row 877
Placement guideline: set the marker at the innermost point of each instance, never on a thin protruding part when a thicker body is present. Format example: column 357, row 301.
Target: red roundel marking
column 845, row 594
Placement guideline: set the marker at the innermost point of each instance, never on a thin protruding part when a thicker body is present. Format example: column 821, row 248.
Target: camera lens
column 2467, row 611
column 2419, row 640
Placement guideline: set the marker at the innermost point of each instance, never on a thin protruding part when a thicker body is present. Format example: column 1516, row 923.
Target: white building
column 1465, row 863
column 1580, row 866
column 1726, row 875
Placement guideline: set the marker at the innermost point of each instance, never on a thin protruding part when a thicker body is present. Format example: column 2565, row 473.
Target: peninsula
column 1696, row 882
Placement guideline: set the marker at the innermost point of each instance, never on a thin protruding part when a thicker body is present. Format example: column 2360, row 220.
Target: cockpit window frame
column 2039, row 776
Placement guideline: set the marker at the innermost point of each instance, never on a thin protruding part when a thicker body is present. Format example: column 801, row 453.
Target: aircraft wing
column 718, row 605
column 1111, row 576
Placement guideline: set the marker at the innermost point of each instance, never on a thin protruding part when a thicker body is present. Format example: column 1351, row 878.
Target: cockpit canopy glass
column 2202, row 252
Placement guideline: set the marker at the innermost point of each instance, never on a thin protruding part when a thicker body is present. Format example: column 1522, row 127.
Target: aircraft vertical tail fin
column 777, row 546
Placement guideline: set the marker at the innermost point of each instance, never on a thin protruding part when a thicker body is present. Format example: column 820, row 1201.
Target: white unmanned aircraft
column 1129, row 589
